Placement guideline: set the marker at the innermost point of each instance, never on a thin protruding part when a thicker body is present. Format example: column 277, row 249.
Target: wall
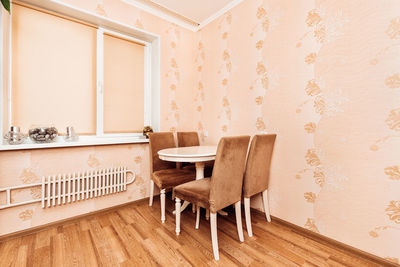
column 24, row 167
column 324, row 76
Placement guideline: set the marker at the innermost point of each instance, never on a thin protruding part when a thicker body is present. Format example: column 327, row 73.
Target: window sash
column 100, row 82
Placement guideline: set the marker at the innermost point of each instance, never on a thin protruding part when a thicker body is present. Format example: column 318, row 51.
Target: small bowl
column 43, row 134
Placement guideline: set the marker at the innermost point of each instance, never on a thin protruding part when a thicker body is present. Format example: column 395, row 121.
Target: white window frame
column 100, row 83
column 151, row 44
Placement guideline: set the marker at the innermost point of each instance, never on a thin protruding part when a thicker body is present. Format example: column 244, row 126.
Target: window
column 53, row 72
column 123, row 85
column 68, row 72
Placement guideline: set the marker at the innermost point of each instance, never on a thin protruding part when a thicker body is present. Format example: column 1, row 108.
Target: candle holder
column 14, row 136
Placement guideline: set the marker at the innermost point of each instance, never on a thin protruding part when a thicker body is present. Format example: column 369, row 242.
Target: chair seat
column 169, row 178
column 197, row 191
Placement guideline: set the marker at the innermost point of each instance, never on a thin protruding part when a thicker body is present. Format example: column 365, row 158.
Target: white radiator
column 66, row 188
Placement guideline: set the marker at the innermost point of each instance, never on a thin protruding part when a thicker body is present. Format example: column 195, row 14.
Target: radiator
column 67, row 188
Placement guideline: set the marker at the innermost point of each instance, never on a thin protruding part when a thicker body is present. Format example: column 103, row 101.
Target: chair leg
column 197, row 216
column 266, row 204
column 178, row 215
column 214, row 237
column 162, row 200
column 239, row 226
column 193, row 207
column 248, row 216
column 151, row 193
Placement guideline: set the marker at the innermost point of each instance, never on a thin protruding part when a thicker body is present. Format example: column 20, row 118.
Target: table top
column 188, row 154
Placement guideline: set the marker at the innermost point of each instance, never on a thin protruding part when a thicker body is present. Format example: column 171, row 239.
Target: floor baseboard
column 67, row 220
column 329, row 241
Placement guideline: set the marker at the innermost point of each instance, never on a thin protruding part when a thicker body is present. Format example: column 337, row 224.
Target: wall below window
column 26, row 167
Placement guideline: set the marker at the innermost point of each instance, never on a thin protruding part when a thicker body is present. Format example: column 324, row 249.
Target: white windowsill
column 83, row 141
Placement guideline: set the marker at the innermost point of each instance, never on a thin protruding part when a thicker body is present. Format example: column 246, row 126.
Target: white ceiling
column 195, row 10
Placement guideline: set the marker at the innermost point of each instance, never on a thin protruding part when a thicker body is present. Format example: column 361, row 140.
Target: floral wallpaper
column 173, row 76
column 323, row 75
column 199, row 87
column 224, row 71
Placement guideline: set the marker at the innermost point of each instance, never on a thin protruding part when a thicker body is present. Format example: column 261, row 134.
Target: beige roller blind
column 123, row 96
column 53, row 71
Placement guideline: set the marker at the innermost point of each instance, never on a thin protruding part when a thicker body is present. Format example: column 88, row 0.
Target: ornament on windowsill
column 71, row 135
column 43, row 134
column 14, row 136
column 147, row 130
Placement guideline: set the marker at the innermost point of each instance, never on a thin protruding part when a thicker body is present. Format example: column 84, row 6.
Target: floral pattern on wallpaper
column 322, row 29
column 199, row 89
column 26, row 215
column 392, row 210
column 260, row 84
column 393, row 33
column 393, row 172
column 393, row 123
column 99, row 10
column 265, row 78
column 173, row 75
column 27, row 176
column 391, row 82
column 224, row 71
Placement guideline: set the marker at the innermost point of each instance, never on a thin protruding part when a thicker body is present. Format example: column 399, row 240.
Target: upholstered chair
column 164, row 173
column 224, row 188
column 256, row 177
column 192, row 139
column 187, row 139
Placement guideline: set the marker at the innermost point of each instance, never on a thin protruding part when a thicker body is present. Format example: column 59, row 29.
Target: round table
column 197, row 154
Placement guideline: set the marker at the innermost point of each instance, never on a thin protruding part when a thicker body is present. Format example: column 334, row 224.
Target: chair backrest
column 227, row 176
column 256, row 177
column 188, row 139
column 158, row 141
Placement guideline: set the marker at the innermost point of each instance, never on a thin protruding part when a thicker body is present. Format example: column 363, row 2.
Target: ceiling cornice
column 171, row 16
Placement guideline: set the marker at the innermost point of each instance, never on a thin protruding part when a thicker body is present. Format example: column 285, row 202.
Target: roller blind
column 53, row 71
column 123, row 96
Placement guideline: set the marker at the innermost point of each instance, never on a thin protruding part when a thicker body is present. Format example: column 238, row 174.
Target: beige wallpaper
column 323, row 75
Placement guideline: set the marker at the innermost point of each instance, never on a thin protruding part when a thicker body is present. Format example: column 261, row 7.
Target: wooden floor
column 134, row 236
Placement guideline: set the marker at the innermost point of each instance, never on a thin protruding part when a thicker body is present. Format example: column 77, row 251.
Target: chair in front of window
column 256, row 177
column 224, row 188
column 192, row 139
column 164, row 173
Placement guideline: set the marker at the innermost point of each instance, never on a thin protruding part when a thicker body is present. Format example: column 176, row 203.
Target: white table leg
column 199, row 170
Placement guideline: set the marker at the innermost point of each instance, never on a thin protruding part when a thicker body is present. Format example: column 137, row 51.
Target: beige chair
column 192, row 139
column 164, row 173
column 187, row 139
column 256, row 177
column 224, row 188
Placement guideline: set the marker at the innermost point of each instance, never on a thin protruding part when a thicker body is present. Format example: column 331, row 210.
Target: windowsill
column 83, row 141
